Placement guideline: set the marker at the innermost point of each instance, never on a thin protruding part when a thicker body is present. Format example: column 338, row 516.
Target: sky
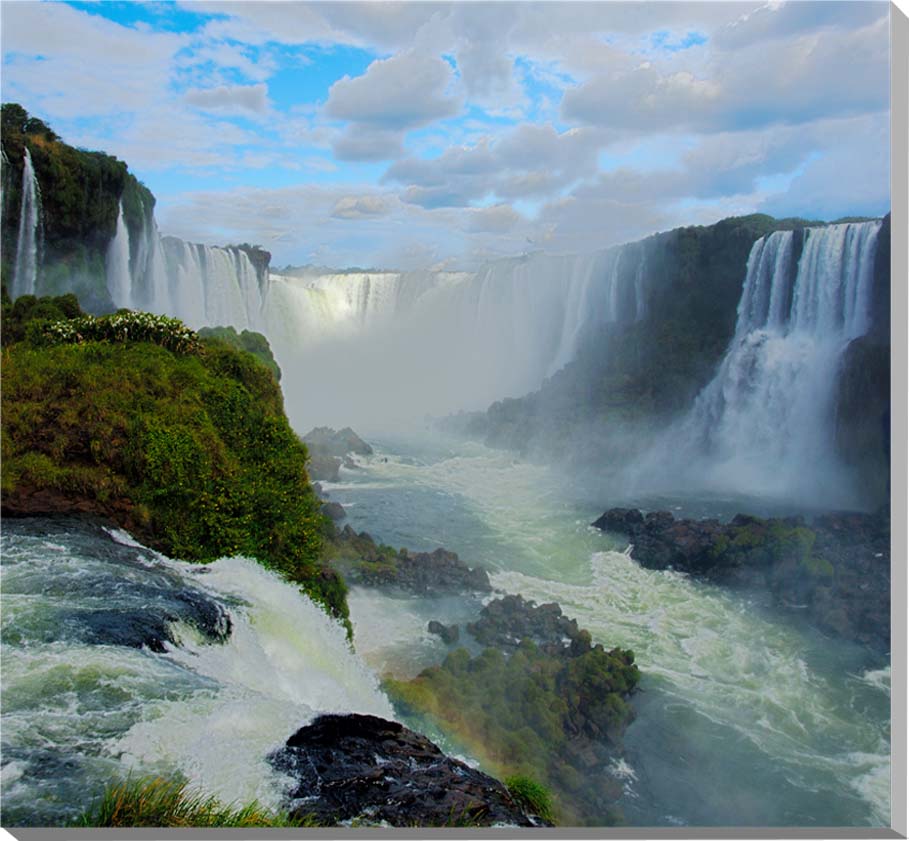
column 441, row 135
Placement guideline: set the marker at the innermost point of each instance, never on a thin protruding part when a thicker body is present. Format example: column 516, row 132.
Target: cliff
column 182, row 441
column 80, row 197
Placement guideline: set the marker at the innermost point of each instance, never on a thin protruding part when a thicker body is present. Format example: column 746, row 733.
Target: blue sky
column 430, row 134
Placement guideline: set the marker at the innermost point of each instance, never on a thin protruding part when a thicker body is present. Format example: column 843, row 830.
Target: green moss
column 191, row 450
column 254, row 343
column 519, row 714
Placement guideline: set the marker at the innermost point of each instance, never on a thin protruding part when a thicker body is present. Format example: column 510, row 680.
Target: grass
column 158, row 802
column 532, row 796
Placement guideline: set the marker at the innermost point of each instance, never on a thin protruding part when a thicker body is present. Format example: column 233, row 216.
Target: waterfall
column 766, row 419
column 119, row 280
column 202, row 285
column 437, row 341
column 83, row 704
column 25, row 273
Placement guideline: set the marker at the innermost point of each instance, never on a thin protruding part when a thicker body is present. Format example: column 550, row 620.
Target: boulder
column 449, row 633
column 367, row 769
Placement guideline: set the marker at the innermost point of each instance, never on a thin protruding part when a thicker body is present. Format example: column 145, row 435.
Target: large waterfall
column 382, row 347
column 202, row 285
column 388, row 345
column 25, row 273
column 765, row 423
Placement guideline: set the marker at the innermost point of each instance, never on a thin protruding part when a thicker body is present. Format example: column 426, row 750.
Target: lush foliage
column 520, row 714
column 18, row 314
column 170, row 803
column 254, row 343
column 190, row 452
column 125, row 326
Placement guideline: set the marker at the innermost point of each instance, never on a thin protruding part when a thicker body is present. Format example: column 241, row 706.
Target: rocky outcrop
column 836, row 570
column 329, row 449
column 369, row 770
column 362, row 561
column 334, row 511
column 450, row 634
column 506, row 622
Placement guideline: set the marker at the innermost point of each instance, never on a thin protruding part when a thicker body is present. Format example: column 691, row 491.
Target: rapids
column 746, row 716
column 80, row 711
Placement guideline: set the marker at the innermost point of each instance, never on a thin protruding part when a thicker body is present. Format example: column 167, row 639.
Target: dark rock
column 837, row 570
column 506, row 622
column 449, row 633
column 334, row 510
column 320, row 491
column 360, row 767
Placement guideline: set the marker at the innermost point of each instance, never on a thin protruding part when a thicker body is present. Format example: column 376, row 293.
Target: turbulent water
column 767, row 419
column 82, row 706
column 745, row 715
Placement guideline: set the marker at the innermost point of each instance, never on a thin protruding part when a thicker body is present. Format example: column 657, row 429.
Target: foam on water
column 788, row 711
column 76, row 716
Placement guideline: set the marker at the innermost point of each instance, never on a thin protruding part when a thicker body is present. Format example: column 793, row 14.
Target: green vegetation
column 182, row 441
column 534, row 714
column 81, row 193
column 533, row 797
column 254, row 343
column 158, row 802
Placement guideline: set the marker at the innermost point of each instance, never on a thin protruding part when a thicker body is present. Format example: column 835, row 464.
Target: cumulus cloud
column 360, row 207
column 405, row 91
column 230, row 98
column 526, row 161
column 793, row 80
column 365, row 143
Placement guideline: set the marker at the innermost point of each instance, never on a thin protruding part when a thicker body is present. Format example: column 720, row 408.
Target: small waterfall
column 84, row 705
column 25, row 273
column 119, row 280
column 766, row 419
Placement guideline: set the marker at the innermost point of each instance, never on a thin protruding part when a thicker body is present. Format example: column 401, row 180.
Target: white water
column 436, row 342
column 77, row 715
column 25, row 273
column 119, row 280
column 766, row 420
column 745, row 716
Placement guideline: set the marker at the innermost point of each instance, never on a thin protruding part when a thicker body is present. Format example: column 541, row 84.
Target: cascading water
column 25, row 273
column 442, row 341
column 119, row 280
column 115, row 661
column 765, row 422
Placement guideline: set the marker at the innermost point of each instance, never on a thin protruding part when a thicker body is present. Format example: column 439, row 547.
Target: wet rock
column 334, row 511
column 835, row 570
column 364, row 768
column 326, row 440
column 506, row 622
column 449, row 633
column 323, row 467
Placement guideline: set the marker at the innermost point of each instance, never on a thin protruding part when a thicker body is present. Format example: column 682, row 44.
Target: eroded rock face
column 361, row 767
column 836, row 570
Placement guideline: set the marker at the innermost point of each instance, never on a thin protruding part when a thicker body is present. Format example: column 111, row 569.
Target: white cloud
column 360, row 207
column 230, row 98
column 403, row 92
